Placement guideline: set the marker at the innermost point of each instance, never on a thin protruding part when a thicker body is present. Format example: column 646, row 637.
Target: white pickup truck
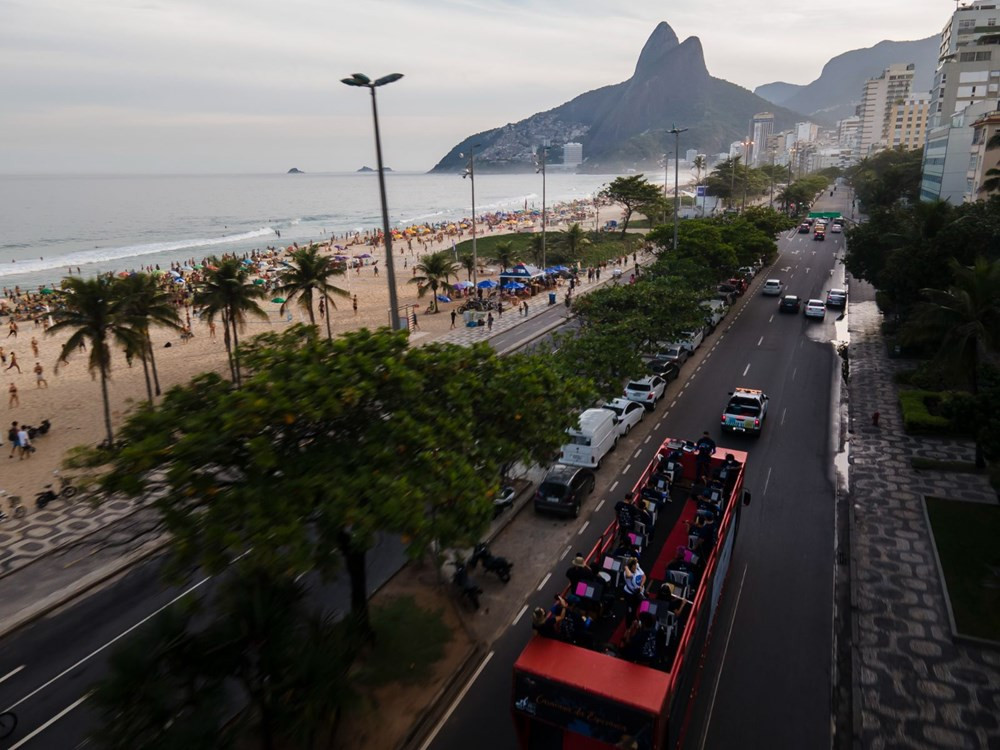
column 745, row 412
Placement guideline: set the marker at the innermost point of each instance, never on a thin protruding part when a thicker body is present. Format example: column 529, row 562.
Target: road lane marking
column 648, row 438
column 725, row 650
column 760, row 341
column 636, row 455
column 767, row 481
column 795, row 370
column 612, row 487
column 519, row 615
column 570, row 546
column 771, row 318
column 544, row 581
column 783, row 412
column 461, row 696
column 696, row 369
column 114, row 640
column 746, row 370
column 625, row 470
column 580, row 533
column 673, row 403
column 50, row 722
column 599, row 506
column 11, row 673
column 657, row 425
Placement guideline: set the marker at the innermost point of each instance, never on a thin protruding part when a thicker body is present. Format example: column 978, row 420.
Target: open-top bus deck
column 585, row 686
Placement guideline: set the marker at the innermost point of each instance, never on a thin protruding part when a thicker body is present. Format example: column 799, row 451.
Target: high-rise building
column 690, row 155
column 984, row 130
column 761, row 128
column 879, row 96
column 968, row 68
column 849, row 133
column 807, row 132
column 947, row 156
column 572, row 154
column 908, row 120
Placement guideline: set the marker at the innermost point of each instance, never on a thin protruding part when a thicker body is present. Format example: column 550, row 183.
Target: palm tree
column 466, row 261
column 965, row 318
column 91, row 309
column 699, row 165
column 991, row 181
column 535, row 248
column 504, row 254
column 574, row 239
column 433, row 271
column 144, row 303
column 310, row 273
column 228, row 294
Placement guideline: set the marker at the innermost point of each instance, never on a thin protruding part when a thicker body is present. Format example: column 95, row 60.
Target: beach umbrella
column 278, row 300
column 178, row 280
column 513, row 285
column 462, row 285
column 199, row 266
column 486, row 284
column 443, row 298
column 46, row 290
column 258, row 282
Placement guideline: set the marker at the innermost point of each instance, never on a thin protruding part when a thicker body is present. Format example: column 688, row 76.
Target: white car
column 772, row 288
column 692, row 339
column 627, row 413
column 646, row 391
column 815, row 308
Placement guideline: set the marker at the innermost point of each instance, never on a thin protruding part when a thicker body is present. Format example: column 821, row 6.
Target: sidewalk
column 913, row 686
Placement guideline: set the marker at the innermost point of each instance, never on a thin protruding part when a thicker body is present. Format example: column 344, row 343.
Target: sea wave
column 105, row 255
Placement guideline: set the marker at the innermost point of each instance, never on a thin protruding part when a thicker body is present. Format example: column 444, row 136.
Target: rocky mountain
column 837, row 91
column 626, row 125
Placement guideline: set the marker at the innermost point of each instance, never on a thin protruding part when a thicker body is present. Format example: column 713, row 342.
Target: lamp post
column 677, row 163
column 540, row 167
column 666, row 178
column 470, row 172
column 770, row 202
column 359, row 79
column 746, row 170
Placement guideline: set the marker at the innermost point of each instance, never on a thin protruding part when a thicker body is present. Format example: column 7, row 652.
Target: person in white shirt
column 634, row 586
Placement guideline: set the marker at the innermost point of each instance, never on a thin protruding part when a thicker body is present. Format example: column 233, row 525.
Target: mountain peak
column 661, row 41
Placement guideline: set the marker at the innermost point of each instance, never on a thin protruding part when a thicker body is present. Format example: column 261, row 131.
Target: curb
column 50, row 603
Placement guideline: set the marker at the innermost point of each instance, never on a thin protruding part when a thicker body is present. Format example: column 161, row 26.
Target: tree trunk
column 229, row 347
column 236, row 352
column 152, row 365
column 326, row 303
column 309, row 307
column 354, row 562
column 149, row 383
column 107, row 405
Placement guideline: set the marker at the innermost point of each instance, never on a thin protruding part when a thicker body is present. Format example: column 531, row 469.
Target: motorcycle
column 468, row 589
column 47, row 495
column 491, row 563
column 42, row 429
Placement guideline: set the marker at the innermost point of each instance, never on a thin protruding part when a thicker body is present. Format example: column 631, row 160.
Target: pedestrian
column 24, row 443
column 12, row 437
column 499, row 309
column 454, row 314
column 413, row 317
column 3, row 356
column 12, row 329
column 40, row 376
column 13, row 363
column 13, row 399
column 34, row 346
column 211, row 329
column 526, row 308
column 355, row 304
column 322, row 309
column 489, row 323
column 376, row 270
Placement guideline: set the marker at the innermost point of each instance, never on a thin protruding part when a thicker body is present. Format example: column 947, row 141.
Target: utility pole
column 677, row 160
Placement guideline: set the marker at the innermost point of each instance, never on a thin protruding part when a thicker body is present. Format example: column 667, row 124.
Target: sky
column 253, row 86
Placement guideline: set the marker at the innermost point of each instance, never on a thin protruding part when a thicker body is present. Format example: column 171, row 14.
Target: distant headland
column 369, row 169
column 295, row 170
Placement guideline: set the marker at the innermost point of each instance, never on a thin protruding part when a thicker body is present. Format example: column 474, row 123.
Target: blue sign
column 702, row 191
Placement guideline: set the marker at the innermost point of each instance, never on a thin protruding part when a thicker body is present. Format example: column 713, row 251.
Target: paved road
column 774, row 677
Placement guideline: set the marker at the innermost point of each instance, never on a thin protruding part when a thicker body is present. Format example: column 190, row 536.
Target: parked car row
column 814, row 308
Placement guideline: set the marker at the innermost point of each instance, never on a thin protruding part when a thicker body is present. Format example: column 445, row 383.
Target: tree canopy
column 631, row 192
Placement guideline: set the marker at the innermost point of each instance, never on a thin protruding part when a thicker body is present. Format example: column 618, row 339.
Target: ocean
column 120, row 223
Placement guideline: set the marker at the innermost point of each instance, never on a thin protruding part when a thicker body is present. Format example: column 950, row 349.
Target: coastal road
column 767, row 681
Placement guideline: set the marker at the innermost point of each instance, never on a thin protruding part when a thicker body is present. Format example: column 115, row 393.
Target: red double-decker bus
column 582, row 693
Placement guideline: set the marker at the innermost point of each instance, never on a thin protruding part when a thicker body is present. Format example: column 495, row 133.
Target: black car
column 665, row 368
column 789, row 304
column 563, row 490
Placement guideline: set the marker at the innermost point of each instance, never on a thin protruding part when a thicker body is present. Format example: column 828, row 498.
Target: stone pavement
column 914, row 686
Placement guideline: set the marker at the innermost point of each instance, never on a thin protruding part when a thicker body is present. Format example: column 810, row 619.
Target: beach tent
column 462, row 285
column 513, row 285
column 486, row 284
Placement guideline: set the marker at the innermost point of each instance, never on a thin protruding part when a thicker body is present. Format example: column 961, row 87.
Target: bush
column 917, row 417
column 925, row 377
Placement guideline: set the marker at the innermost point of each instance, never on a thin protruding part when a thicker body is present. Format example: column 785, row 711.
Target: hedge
column 917, row 418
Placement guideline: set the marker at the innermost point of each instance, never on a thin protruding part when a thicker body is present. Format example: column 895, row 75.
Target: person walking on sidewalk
column 454, row 315
column 489, row 321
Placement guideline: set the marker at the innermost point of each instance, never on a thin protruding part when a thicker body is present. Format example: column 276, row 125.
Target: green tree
column 503, row 253
column 467, row 262
column 631, row 192
column 309, row 274
column 144, row 303
column 228, row 293
column 723, row 180
column 91, row 310
column 965, row 318
column 888, row 177
column 433, row 272
column 701, row 241
column 573, row 239
column 699, row 165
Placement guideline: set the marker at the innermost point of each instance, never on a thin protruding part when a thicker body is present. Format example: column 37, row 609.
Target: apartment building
column 969, row 61
column 879, row 97
column 908, row 122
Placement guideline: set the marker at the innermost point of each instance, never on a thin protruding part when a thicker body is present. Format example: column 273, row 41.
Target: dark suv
column 563, row 490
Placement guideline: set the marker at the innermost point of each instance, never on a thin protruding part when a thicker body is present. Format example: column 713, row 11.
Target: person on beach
column 376, row 270
column 12, row 437
column 12, row 330
column 13, row 399
column 13, row 363
column 3, row 356
column 211, row 329
column 40, row 376
column 354, row 304
column 24, row 444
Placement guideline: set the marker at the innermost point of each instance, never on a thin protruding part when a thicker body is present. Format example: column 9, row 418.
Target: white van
column 596, row 436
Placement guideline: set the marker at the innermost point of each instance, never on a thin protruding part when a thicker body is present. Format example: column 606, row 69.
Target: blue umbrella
column 443, row 298
column 462, row 285
column 486, row 284
column 513, row 285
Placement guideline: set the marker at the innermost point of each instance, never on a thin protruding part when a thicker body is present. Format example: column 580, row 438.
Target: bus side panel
column 682, row 699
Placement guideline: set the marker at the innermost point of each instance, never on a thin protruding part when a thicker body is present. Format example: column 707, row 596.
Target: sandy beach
column 72, row 401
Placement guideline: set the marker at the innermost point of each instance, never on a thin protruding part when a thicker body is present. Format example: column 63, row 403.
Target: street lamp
column 666, row 179
column 771, row 201
column 540, row 167
column 470, row 172
column 746, row 170
column 677, row 161
column 359, row 79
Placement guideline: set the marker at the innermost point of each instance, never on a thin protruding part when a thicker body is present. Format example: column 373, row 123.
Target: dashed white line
column 783, row 412
column 612, row 487
column 767, row 481
column 636, row 454
column 599, row 506
column 697, row 368
column 520, row 615
column 461, row 696
column 11, row 673
column 544, row 581
column 568, row 548
column 580, row 533
column 657, row 425
column 760, row 341
column 795, row 370
column 625, row 470
column 648, row 438
column 771, row 318
column 673, row 403
column 746, row 370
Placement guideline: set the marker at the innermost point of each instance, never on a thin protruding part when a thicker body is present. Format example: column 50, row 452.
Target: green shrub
column 917, row 417
column 926, row 377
